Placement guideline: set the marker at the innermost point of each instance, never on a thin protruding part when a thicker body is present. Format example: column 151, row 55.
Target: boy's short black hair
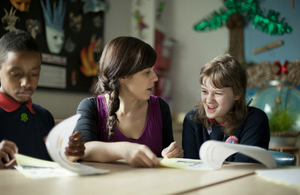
column 15, row 41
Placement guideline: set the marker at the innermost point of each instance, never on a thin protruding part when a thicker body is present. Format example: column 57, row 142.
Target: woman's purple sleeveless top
column 152, row 134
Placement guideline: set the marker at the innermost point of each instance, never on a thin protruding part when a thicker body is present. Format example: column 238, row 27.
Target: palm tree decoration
column 235, row 14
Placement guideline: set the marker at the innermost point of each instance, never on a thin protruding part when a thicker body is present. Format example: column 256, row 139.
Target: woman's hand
column 76, row 147
column 138, row 155
column 173, row 150
column 8, row 148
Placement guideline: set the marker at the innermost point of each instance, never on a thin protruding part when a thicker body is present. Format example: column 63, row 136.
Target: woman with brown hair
column 223, row 113
column 123, row 120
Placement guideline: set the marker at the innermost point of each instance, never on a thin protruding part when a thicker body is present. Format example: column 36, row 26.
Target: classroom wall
column 146, row 9
column 254, row 38
column 193, row 48
column 192, row 51
column 64, row 104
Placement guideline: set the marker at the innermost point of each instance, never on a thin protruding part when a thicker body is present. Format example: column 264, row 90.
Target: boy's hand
column 76, row 147
column 173, row 150
column 8, row 148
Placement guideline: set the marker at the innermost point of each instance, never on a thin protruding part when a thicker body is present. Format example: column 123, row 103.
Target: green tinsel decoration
column 244, row 7
column 251, row 11
column 217, row 20
column 270, row 24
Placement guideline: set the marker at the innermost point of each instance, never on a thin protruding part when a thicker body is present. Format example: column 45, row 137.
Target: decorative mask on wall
column 21, row 5
column 33, row 27
column 141, row 25
column 94, row 6
column 97, row 21
column 10, row 19
column 98, row 43
column 54, row 25
column 75, row 22
column 70, row 45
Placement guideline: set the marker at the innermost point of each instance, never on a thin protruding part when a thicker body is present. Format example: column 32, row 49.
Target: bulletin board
column 70, row 36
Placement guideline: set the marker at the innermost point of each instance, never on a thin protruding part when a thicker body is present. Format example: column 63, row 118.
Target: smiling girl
column 124, row 121
column 222, row 113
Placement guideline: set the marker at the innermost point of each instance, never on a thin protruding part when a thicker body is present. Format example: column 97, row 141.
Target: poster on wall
column 70, row 36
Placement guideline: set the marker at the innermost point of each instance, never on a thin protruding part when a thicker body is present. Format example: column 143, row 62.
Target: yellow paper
column 29, row 161
column 38, row 169
column 183, row 163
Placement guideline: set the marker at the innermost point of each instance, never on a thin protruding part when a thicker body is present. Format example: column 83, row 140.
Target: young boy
column 23, row 124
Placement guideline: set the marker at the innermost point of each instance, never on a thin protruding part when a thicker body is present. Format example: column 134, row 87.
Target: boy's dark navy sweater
column 26, row 127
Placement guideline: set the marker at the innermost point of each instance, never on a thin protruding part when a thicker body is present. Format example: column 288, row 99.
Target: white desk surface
column 124, row 179
column 248, row 185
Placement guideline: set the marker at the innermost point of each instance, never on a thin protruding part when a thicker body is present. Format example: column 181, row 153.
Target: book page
column 214, row 153
column 40, row 169
column 57, row 141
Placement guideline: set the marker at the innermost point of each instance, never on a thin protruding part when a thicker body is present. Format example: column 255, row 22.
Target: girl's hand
column 173, row 150
column 76, row 147
column 138, row 155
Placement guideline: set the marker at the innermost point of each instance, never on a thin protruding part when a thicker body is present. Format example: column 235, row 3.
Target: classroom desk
column 248, row 185
column 124, row 179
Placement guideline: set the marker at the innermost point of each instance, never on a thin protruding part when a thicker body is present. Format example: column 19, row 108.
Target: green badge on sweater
column 24, row 117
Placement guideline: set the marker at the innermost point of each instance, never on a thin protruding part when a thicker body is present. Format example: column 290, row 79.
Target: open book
column 213, row 154
column 56, row 142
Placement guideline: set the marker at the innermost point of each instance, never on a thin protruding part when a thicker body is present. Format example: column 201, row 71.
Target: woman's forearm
column 103, row 151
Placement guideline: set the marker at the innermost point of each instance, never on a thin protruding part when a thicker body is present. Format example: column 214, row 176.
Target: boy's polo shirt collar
column 10, row 105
